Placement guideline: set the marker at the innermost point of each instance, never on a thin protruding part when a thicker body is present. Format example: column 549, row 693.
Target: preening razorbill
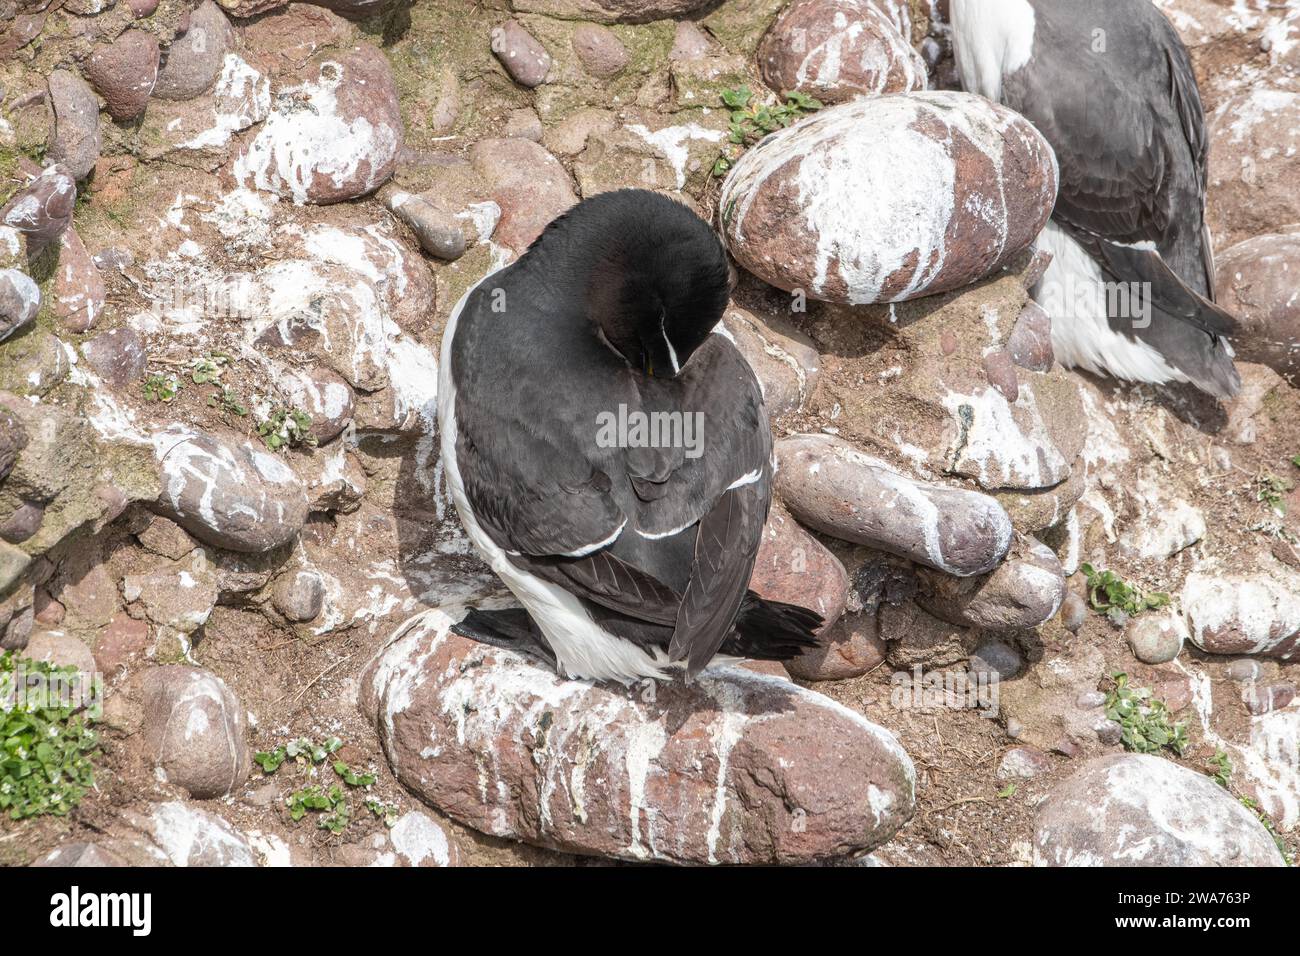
column 1110, row 85
column 608, row 454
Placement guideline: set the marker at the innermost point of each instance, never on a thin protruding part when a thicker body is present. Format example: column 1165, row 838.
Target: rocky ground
column 232, row 234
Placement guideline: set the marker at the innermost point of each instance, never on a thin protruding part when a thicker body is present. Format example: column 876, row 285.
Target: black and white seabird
column 1110, row 85
column 630, row 556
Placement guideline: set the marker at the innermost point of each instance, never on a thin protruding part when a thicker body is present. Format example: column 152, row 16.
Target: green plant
column 1108, row 592
column 1295, row 460
column 209, row 368
column 332, row 804
column 46, row 752
column 1222, row 769
column 1272, row 490
column 1143, row 719
column 1007, row 792
column 285, row 428
column 386, row 812
column 161, row 388
column 301, row 750
column 225, row 400
column 1267, row 823
column 752, row 119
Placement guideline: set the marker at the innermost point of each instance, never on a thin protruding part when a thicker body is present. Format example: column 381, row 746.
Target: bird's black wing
column 1129, row 135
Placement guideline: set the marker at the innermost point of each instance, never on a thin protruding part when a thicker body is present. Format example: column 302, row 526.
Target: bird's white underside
column 991, row 40
column 1073, row 292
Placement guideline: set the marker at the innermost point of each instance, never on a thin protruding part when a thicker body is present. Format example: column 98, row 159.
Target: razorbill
column 1110, row 85
column 609, row 456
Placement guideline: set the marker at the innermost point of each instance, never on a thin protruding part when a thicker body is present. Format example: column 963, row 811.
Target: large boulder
column 194, row 730
column 836, row 50
column 335, row 136
column 1257, row 284
column 737, row 768
column 1244, row 613
column 885, row 199
column 1140, row 810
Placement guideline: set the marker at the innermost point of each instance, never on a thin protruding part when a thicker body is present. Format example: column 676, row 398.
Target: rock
column 42, row 209
column 1256, row 283
column 437, row 229
column 916, row 638
column 527, row 183
column 1244, row 614
column 837, row 50
column 123, row 642
column 1244, row 670
column 17, row 630
column 832, row 487
column 784, row 361
column 322, row 394
column 849, row 648
column 1074, row 612
column 599, row 50
column 335, row 136
column 165, row 537
column 13, row 439
column 611, row 11
column 524, row 124
column 681, row 774
column 420, row 841
column 299, row 595
column 1263, row 699
column 973, row 182
column 195, row 59
column 142, row 8
column 33, row 364
column 117, row 356
column 80, row 854
column 79, row 291
column 996, row 660
column 793, row 567
column 61, row 650
column 525, row 59
column 228, row 495
column 1140, row 810
column 178, row 596
column 188, row 836
column 20, row 300
column 1000, row 370
column 1023, row 763
column 124, row 71
column 1256, row 134
column 1025, row 591
column 1168, row 525
column 569, row 136
column 283, row 40
column 194, row 730
column 76, row 141
column 23, row 523
column 1156, row 638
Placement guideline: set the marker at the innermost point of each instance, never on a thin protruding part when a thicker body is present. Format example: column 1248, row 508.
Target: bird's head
column 660, row 284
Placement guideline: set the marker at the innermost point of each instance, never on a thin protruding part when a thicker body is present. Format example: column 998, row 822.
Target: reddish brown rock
column 831, row 486
column 124, row 72
column 119, row 645
column 836, row 50
column 529, row 185
column 233, row 496
column 973, row 182
column 1140, row 810
column 795, row 568
column 738, row 768
column 76, row 140
column 195, row 58
column 20, row 300
column 1030, row 343
column 79, row 291
column 194, row 730
column 524, row 58
column 784, row 361
column 1256, row 136
column 1244, row 613
column 849, row 648
column 42, row 209
column 1000, row 370
column 601, row 52
column 282, row 41
column 335, row 136
column 1025, row 591
column 1265, row 698
column 322, row 394
column 1258, row 285
column 611, row 11
column 117, row 356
